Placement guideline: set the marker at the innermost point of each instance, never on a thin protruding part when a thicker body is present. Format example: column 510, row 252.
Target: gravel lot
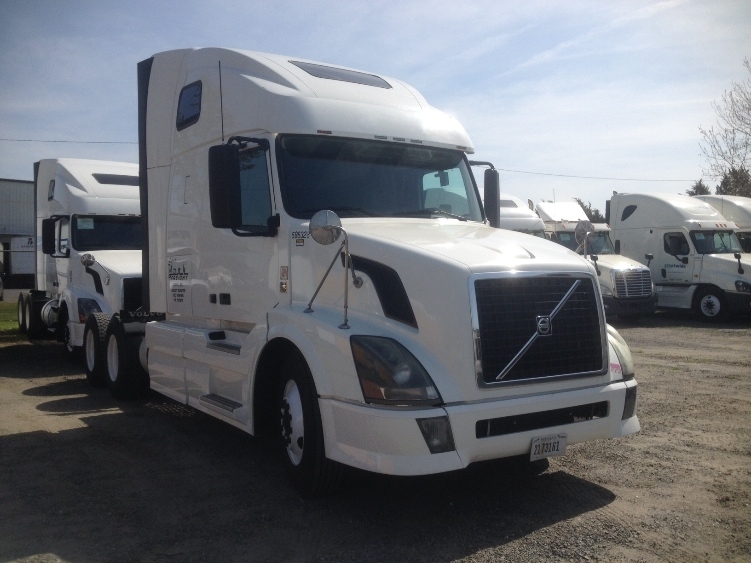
column 85, row 478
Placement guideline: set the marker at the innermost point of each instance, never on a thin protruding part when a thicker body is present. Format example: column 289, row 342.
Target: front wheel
column 710, row 304
column 94, row 347
column 301, row 433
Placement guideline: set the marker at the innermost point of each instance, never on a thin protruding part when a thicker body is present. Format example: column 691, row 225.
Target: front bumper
column 389, row 441
column 630, row 306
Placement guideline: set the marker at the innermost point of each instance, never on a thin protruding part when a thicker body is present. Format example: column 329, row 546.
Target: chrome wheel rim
column 90, row 352
column 710, row 305
column 113, row 359
column 293, row 426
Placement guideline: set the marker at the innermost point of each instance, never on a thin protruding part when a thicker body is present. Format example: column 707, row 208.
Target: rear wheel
column 21, row 313
column 94, row 349
column 710, row 304
column 34, row 325
column 125, row 376
column 301, row 432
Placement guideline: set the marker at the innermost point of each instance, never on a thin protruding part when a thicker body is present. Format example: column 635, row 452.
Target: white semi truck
column 319, row 265
column 697, row 262
column 737, row 209
column 515, row 215
column 626, row 284
column 88, row 258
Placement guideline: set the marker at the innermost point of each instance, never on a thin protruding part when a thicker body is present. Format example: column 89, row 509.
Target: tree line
column 727, row 144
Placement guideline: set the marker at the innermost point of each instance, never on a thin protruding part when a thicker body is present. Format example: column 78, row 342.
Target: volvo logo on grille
column 544, row 325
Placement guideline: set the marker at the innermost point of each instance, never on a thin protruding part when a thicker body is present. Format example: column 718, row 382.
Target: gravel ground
column 85, row 478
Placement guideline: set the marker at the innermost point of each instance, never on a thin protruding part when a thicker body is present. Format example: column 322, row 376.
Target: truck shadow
column 153, row 478
column 677, row 318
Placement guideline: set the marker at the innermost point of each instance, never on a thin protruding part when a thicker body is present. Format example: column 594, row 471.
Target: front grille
column 633, row 283
column 131, row 294
column 513, row 311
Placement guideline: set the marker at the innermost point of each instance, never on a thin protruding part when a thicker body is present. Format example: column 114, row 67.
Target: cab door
column 676, row 265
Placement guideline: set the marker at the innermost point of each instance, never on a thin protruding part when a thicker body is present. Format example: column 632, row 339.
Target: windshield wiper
column 428, row 211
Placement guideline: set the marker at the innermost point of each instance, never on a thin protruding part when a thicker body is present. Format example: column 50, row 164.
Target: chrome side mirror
column 325, row 227
column 88, row 260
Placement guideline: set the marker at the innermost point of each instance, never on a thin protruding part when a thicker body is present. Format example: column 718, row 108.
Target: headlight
column 85, row 308
column 390, row 374
column 743, row 287
column 606, row 290
column 623, row 352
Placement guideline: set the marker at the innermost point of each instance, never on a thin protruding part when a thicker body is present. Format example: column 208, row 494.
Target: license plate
column 548, row 446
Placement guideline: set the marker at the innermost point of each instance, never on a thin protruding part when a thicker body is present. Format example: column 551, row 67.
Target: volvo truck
column 626, row 284
column 88, row 252
column 696, row 256
column 318, row 265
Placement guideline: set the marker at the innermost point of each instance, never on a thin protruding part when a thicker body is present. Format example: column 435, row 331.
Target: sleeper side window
column 189, row 105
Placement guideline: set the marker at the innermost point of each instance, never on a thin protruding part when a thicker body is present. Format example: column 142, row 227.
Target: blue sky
column 547, row 90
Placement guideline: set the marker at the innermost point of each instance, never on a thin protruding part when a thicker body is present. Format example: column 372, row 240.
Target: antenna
column 221, row 100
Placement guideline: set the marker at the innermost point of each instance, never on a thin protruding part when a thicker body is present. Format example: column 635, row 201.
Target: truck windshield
column 715, row 242
column 106, row 232
column 599, row 243
column 358, row 178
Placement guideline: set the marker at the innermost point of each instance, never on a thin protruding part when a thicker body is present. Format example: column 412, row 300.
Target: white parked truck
column 88, row 254
column 737, row 209
column 515, row 215
column 626, row 284
column 318, row 264
column 697, row 261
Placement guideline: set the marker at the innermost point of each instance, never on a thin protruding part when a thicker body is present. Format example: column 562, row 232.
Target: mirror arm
column 310, row 303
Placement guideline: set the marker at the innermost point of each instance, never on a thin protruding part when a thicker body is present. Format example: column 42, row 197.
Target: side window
column 63, row 235
column 627, row 212
column 189, row 105
column 675, row 244
column 445, row 190
column 255, row 196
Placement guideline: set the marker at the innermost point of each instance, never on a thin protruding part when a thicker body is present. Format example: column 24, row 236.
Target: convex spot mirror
column 88, row 260
column 325, row 227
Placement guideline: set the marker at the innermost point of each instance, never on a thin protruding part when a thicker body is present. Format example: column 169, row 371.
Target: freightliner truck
column 318, row 264
column 697, row 259
column 626, row 285
column 84, row 208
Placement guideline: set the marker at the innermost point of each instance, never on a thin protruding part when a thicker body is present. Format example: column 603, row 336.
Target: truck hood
column 728, row 263
column 470, row 246
column 120, row 263
column 618, row 262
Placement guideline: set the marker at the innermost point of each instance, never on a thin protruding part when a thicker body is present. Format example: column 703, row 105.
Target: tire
column 34, row 324
column 73, row 353
column 94, row 349
column 710, row 304
column 125, row 376
column 301, row 433
column 21, row 313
